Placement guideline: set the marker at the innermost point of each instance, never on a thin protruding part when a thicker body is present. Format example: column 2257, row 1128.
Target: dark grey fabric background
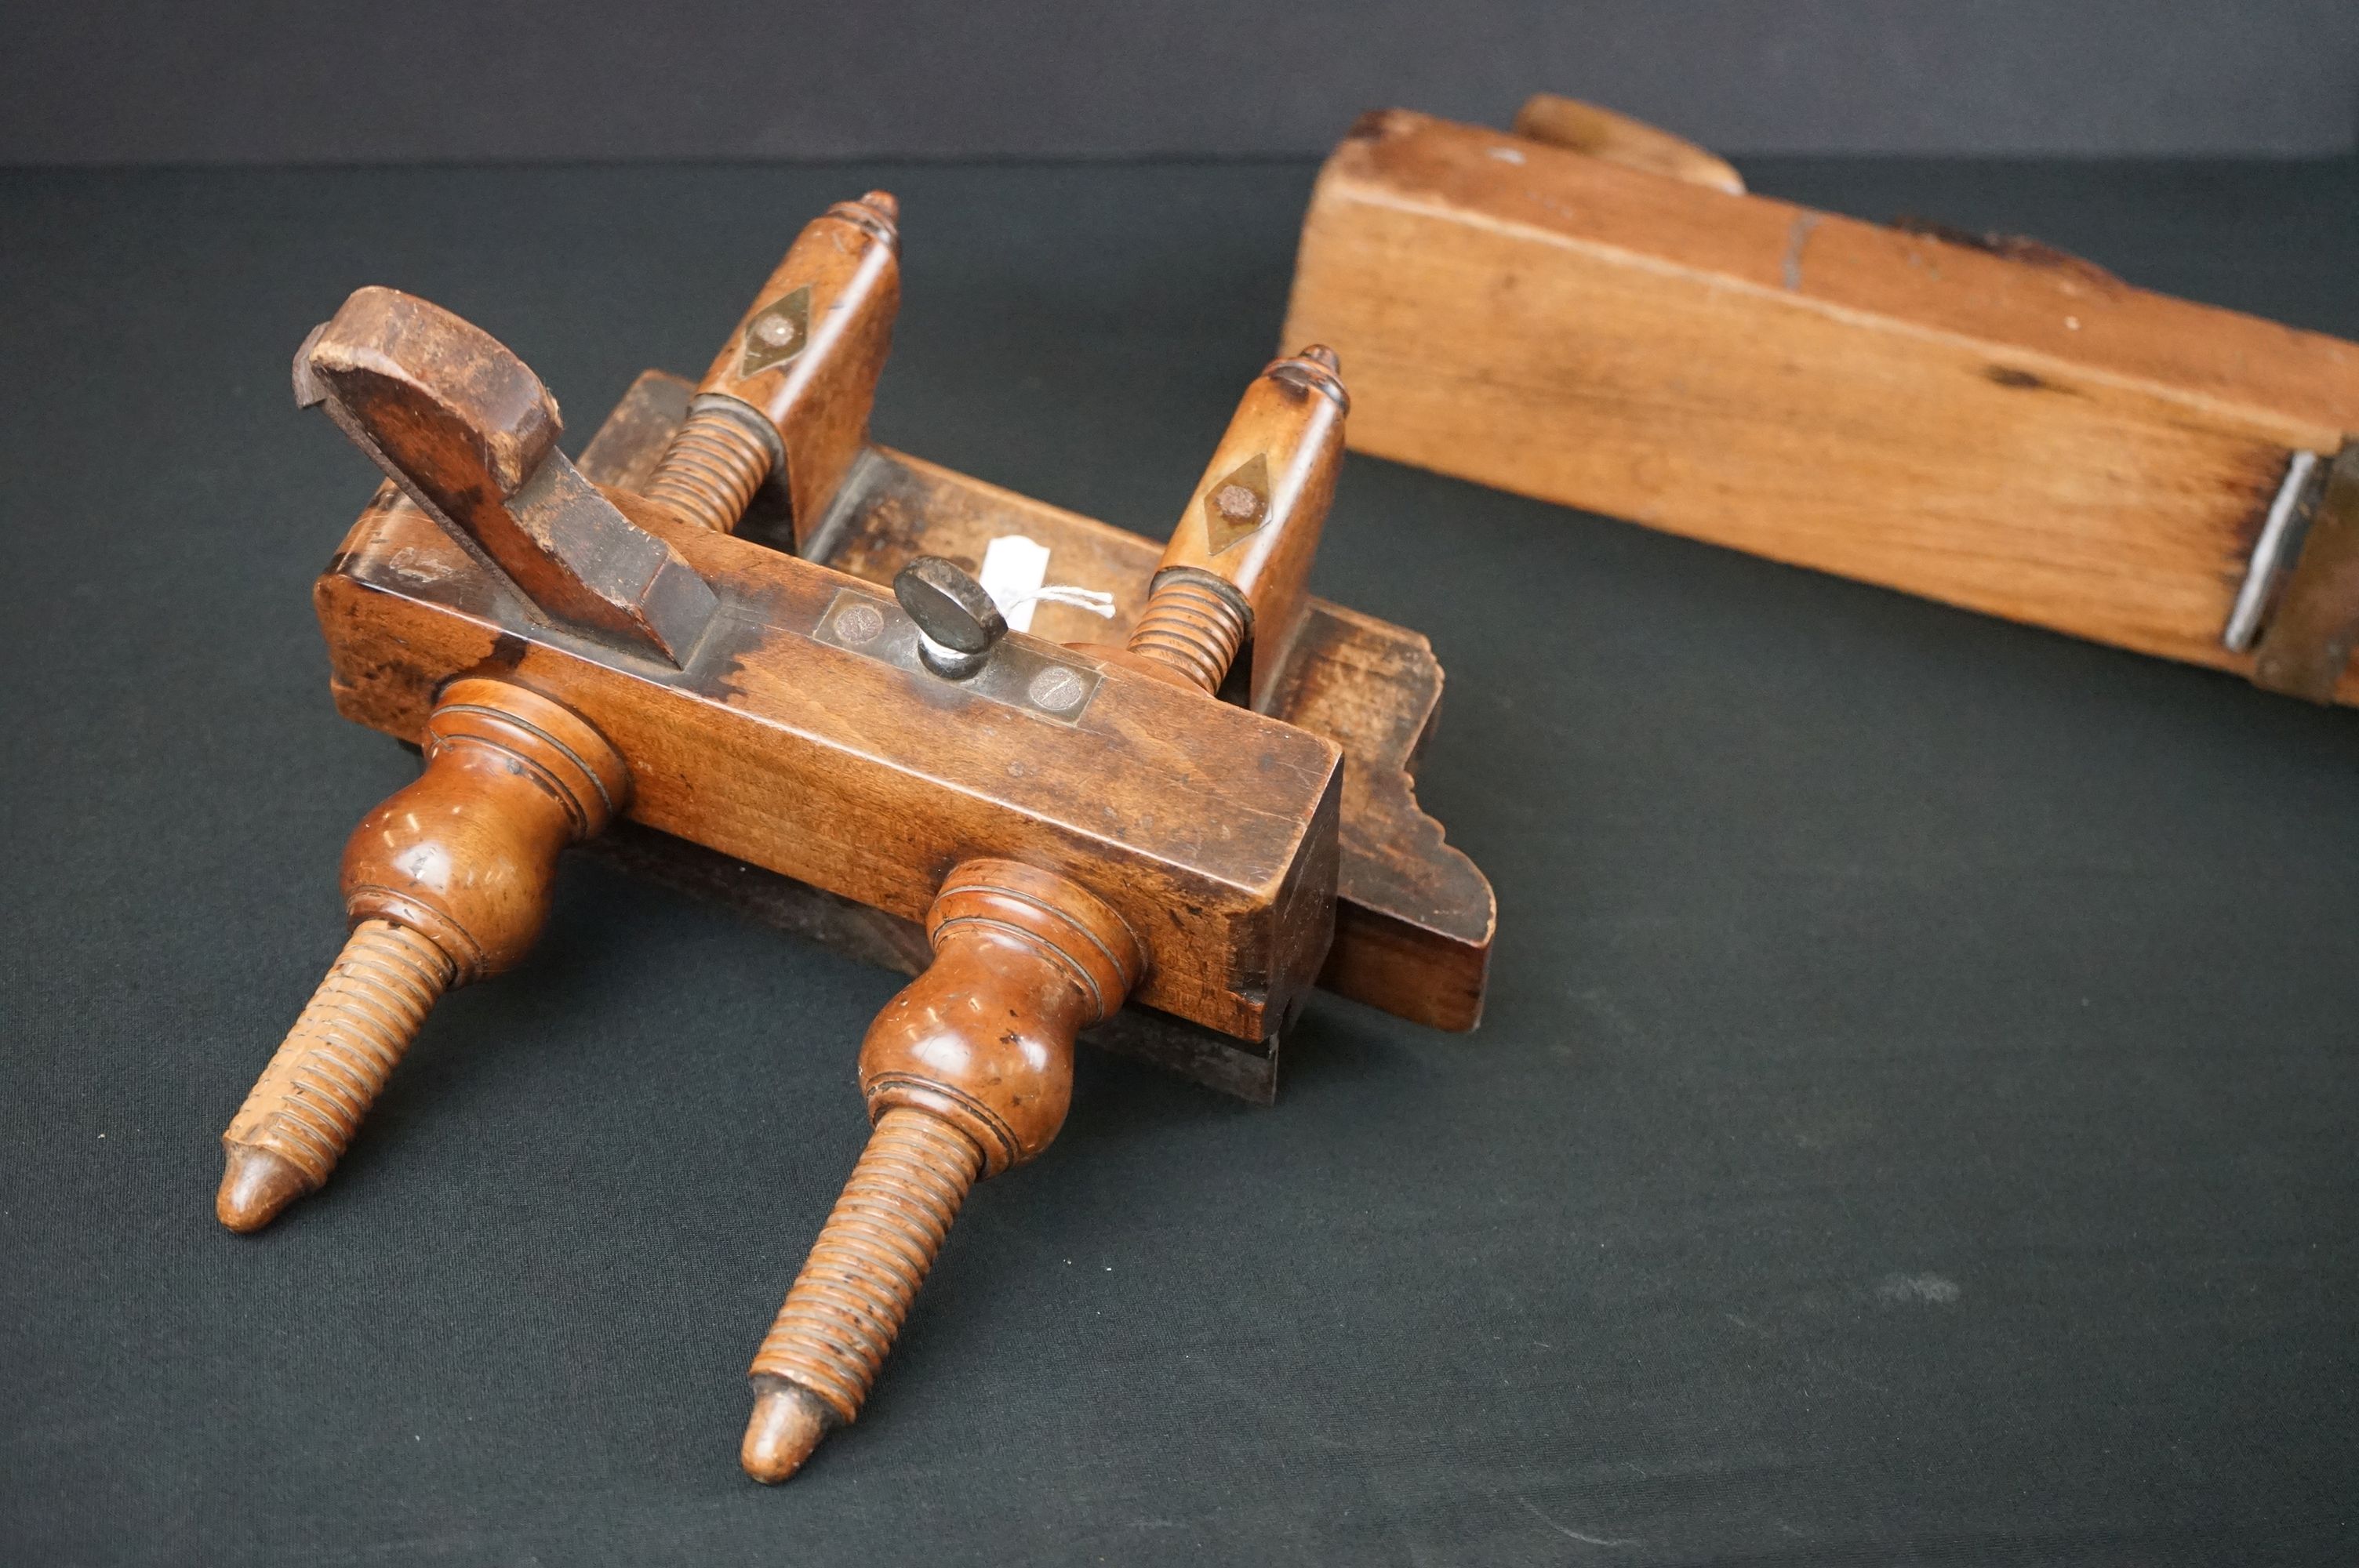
column 336, row 81
column 1913, row 1123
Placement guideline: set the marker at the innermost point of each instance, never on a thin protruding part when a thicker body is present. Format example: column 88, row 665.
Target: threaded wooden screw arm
column 1238, row 560
column 301, row 1115
column 446, row 882
column 967, row 1072
column 1193, row 624
column 718, row 459
column 786, row 402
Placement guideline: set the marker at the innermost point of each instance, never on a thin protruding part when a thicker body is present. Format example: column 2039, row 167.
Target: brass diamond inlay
column 1238, row 505
column 777, row 333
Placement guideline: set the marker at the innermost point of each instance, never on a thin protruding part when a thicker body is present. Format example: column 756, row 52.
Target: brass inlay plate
column 1020, row 672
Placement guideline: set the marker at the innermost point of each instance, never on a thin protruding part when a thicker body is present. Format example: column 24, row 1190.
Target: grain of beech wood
column 1582, row 127
column 845, row 770
column 1986, row 422
column 1414, row 917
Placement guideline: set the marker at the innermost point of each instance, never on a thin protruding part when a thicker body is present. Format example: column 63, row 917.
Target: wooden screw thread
column 447, row 881
column 1192, row 627
column 711, row 469
column 967, row 1073
column 845, row 1307
column 303, row 1112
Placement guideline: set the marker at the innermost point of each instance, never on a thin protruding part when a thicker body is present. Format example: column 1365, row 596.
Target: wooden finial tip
column 787, row 1425
column 1320, row 353
column 883, row 201
column 255, row 1185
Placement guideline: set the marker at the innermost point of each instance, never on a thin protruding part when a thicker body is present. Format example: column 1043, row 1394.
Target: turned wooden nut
column 967, row 1072
column 1024, row 961
column 446, row 881
column 467, row 854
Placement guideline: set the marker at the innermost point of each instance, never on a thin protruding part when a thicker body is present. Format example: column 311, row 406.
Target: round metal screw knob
column 958, row 625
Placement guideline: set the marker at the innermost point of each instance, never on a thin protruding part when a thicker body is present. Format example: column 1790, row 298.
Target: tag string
column 1089, row 599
